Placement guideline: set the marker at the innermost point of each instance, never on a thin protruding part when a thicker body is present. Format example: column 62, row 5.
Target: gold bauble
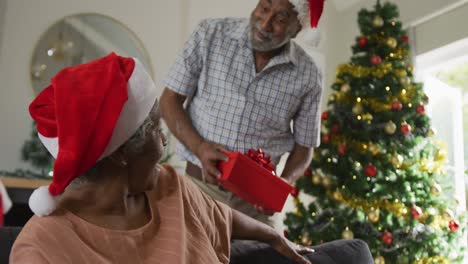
column 379, row 260
column 357, row 109
column 448, row 215
column 402, row 74
column 374, row 215
column 337, row 196
column 392, row 42
column 431, row 132
column 345, row 88
column 378, row 22
column 436, row 189
column 326, row 182
column 410, row 68
column 390, row 128
column 306, row 241
column 316, row 179
column 347, row 234
column 404, row 80
column 374, row 149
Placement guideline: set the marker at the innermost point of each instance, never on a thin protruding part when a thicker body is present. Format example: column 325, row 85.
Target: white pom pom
column 41, row 202
column 312, row 36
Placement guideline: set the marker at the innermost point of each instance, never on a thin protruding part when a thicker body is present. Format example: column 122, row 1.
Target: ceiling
column 342, row 5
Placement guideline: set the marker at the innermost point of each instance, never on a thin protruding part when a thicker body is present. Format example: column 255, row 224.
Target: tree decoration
column 420, row 109
column 376, row 60
column 374, row 215
column 378, row 22
column 405, row 128
column 416, row 212
column 379, row 260
column 362, row 41
column 397, row 106
column 347, row 234
column 387, row 238
column 392, row 42
column 324, row 116
column 345, row 88
column 371, row 170
column 390, row 128
column 453, row 225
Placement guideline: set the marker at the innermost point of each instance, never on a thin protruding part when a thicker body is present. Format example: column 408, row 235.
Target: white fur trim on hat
column 311, row 36
column 41, row 202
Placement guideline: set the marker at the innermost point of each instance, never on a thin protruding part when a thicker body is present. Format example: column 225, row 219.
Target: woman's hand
column 290, row 249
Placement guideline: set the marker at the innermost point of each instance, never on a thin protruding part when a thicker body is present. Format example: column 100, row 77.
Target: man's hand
column 209, row 154
column 290, row 249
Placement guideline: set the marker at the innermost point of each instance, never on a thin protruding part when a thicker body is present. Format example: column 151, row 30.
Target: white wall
column 156, row 22
column 2, row 18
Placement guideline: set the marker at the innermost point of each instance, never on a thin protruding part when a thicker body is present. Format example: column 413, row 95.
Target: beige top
column 189, row 227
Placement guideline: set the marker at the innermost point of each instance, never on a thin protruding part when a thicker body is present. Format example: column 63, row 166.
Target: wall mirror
column 80, row 38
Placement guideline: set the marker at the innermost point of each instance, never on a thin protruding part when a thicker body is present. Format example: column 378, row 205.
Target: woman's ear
column 118, row 158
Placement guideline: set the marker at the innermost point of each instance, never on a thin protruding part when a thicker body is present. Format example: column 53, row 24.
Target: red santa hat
column 85, row 115
column 309, row 13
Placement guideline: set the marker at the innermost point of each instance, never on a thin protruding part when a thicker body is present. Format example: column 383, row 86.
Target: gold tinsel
column 358, row 71
column 432, row 260
column 396, row 208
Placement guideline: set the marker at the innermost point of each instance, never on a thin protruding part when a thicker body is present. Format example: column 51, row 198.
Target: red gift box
column 254, row 181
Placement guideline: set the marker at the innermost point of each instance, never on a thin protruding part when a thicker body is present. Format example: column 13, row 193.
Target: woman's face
column 143, row 169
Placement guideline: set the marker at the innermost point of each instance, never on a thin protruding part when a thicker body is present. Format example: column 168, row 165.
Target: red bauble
column 376, row 60
column 335, row 129
column 420, row 109
column 295, row 192
column 387, row 238
column 405, row 128
column 342, row 149
column 416, row 212
column 286, row 233
column 363, row 41
column 371, row 170
column 453, row 225
column 326, row 138
column 324, row 115
column 397, row 106
column 405, row 39
column 308, row 172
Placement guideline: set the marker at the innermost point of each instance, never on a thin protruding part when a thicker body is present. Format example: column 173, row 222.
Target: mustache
column 265, row 35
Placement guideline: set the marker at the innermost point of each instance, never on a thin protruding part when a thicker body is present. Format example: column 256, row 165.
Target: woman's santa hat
column 309, row 13
column 86, row 114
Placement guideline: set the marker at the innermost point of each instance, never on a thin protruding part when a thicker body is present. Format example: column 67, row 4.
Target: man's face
column 272, row 24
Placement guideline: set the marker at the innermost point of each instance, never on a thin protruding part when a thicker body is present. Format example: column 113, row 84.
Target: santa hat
column 309, row 13
column 85, row 115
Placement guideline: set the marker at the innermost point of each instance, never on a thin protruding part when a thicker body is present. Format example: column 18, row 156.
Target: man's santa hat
column 86, row 114
column 309, row 13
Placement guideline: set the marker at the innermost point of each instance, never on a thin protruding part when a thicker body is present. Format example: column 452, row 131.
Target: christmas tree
column 377, row 175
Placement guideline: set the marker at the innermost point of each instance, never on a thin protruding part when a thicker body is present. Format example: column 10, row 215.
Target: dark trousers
column 336, row 252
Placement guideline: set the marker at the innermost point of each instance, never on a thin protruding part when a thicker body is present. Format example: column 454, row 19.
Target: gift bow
column 262, row 159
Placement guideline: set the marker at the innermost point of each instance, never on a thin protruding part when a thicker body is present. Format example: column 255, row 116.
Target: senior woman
column 109, row 200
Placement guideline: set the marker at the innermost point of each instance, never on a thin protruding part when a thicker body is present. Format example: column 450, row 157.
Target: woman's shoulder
column 40, row 230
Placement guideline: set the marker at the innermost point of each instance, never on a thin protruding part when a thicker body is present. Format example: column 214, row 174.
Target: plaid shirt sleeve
column 184, row 73
column 307, row 119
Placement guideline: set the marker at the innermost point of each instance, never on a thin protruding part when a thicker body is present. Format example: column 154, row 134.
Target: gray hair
column 133, row 146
